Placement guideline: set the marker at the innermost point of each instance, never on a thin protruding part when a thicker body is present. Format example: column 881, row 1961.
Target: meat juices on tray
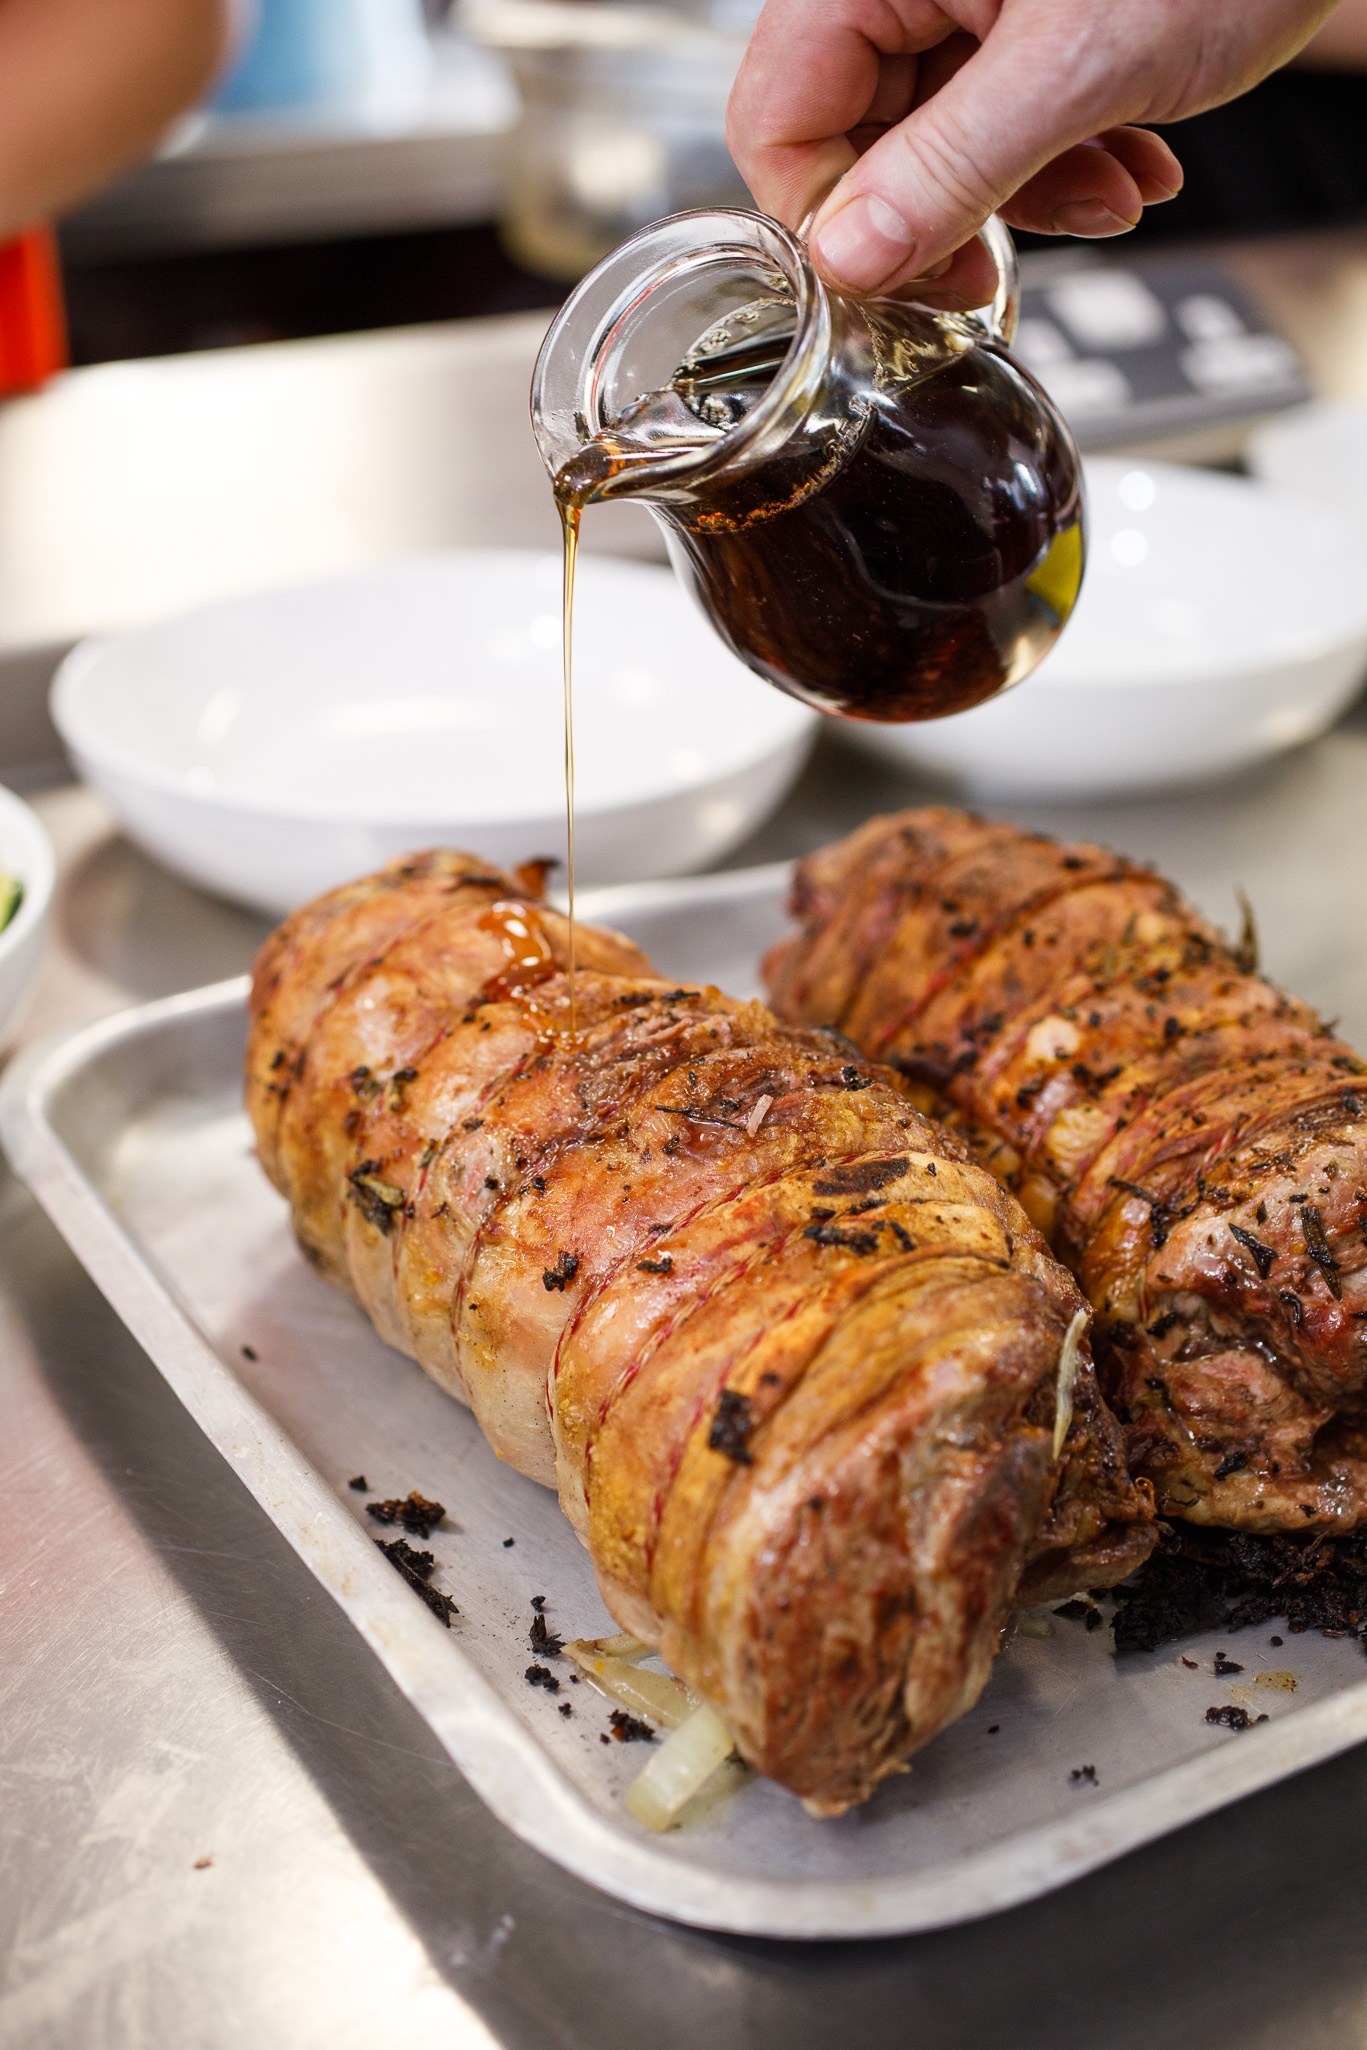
column 789, row 1355
column 1192, row 1142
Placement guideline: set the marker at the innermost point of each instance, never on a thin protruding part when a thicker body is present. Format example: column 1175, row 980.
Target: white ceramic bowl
column 26, row 852
column 272, row 746
column 1220, row 622
column 1320, row 453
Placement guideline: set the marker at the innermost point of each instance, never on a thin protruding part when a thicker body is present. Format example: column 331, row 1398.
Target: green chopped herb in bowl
column 11, row 897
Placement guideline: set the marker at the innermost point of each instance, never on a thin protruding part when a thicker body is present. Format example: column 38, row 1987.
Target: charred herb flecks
column 416, row 1568
column 1200, row 1579
column 731, row 1428
column 417, row 1515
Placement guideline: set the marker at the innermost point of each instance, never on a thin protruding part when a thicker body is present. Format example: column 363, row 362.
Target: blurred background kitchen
column 301, row 332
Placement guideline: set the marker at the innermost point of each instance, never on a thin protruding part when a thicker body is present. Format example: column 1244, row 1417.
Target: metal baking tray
column 131, row 1136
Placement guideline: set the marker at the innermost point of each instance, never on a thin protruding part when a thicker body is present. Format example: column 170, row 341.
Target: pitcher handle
column 999, row 319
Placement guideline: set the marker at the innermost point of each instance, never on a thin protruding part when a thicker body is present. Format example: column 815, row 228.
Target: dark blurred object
column 33, row 339
column 1291, row 153
column 160, row 306
column 1134, row 344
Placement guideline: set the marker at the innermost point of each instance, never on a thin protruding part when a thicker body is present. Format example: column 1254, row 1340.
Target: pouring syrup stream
column 569, row 521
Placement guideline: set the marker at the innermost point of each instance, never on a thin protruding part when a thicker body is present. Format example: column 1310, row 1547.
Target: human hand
column 907, row 122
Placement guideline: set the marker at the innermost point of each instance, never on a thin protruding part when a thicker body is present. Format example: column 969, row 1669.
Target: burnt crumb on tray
column 627, row 1729
column 543, row 1640
column 542, row 1676
column 359, row 1483
column 418, row 1516
column 1199, row 1579
column 1232, row 1718
column 1078, row 1611
column 1082, row 1776
column 1224, row 1665
column 416, row 1568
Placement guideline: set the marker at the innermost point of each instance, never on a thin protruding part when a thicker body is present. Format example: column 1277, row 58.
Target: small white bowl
column 1320, row 453
column 273, row 746
column 1220, row 622
column 26, row 852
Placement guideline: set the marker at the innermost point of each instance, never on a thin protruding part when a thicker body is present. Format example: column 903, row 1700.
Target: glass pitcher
column 876, row 506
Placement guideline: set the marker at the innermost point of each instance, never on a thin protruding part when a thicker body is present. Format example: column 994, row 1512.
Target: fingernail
column 1089, row 217
column 864, row 244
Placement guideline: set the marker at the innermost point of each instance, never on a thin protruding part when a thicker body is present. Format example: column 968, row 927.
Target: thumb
column 926, row 186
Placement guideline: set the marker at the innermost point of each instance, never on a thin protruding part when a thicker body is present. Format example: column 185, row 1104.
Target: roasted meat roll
column 791, row 1357
column 1192, row 1142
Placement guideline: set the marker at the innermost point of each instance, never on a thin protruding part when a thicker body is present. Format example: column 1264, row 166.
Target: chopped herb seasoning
column 698, row 1117
column 664, row 1265
column 416, row 1568
column 378, row 1201
column 1233, row 1462
column 1317, row 1246
column 1263, row 1256
column 861, row 1177
column 1161, row 1326
column 731, row 1428
column 855, row 1241
column 249, row 1352
column 417, row 1515
column 542, row 1676
column 853, row 1080
column 1294, row 1305
column 629, row 1729
column 562, row 1274
column 1161, row 1216
column 508, row 1544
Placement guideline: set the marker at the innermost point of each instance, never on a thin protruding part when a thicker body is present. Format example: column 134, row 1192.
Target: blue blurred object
column 344, row 56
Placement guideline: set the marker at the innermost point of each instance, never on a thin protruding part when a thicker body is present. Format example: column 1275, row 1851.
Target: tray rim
column 497, row 1754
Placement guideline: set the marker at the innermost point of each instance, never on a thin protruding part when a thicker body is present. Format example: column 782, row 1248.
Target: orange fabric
column 33, row 343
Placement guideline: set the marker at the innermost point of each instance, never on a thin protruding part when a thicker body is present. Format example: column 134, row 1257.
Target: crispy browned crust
column 1192, row 1141
column 789, row 1355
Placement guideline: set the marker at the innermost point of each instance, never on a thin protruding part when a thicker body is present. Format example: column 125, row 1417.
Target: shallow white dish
column 1220, row 621
column 1320, row 453
column 272, row 746
column 26, row 852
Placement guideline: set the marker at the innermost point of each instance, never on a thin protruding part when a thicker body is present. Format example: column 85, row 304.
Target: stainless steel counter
column 176, row 1690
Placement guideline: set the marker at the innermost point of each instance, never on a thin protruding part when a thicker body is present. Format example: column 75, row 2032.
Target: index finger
column 811, row 75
